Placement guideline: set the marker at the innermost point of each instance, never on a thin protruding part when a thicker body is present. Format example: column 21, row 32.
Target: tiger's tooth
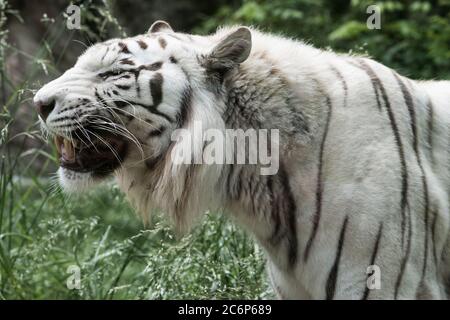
column 69, row 150
column 58, row 142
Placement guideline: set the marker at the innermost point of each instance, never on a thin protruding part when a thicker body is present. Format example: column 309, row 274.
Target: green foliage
column 42, row 232
column 98, row 22
column 414, row 36
column 98, row 233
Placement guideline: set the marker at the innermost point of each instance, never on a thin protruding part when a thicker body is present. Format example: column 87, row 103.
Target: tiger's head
column 114, row 111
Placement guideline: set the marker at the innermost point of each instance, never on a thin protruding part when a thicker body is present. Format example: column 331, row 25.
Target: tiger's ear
column 230, row 52
column 160, row 26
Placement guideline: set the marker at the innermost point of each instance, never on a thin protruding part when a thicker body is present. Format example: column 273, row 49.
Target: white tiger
column 364, row 175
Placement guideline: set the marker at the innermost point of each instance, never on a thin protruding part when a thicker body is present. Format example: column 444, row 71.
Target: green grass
column 117, row 257
column 44, row 233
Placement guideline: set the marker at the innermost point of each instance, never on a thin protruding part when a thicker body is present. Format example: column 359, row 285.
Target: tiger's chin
column 85, row 164
column 77, row 182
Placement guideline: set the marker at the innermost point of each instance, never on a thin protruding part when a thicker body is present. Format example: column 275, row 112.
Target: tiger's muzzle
column 94, row 151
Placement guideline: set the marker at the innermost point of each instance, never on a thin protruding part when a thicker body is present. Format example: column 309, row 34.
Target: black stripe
column 433, row 236
column 410, row 104
column 125, row 103
column 156, row 132
column 185, row 107
column 373, row 258
column 254, row 187
column 154, row 110
column 398, row 141
column 234, row 187
column 407, row 97
column 156, row 89
column 373, row 79
column 85, row 104
column 332, row 276
column 153, row 67
column 63, row 119
column 99, row 99
column 136, row 74
column 162, row 42
column 122, row 87
column 343, row 82
column 106, row 52
column 101, row 102
column 404, row 259
column 404, row 172
column 112, row 73
column 121, row 104
column 142, row 44
column 124, row 76
column 127, row 61
column 274, row 212
column 319, row 186
column 290, row 216
column 123, row 47
column 230, row 188
column 426, row 222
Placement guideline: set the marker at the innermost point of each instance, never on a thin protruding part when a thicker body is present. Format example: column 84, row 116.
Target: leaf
column 349, row 30
column 251, row 11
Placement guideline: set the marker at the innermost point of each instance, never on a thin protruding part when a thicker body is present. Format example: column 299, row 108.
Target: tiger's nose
column 44, row 108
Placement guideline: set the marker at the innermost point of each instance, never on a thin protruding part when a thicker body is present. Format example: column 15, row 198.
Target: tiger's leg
column 284, row 285
column 444, row 273
column 371, row 263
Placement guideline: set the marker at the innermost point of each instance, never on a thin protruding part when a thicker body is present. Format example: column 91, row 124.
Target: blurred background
column 42, row 232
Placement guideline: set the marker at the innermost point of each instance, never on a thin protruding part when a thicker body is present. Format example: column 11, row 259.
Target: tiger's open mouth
column 100, row 153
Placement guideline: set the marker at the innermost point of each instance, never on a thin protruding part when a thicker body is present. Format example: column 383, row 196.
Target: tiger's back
column 372, row 185
column 382, row 185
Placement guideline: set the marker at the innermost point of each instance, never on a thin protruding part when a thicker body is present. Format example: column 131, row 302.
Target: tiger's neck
column 259, row 97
